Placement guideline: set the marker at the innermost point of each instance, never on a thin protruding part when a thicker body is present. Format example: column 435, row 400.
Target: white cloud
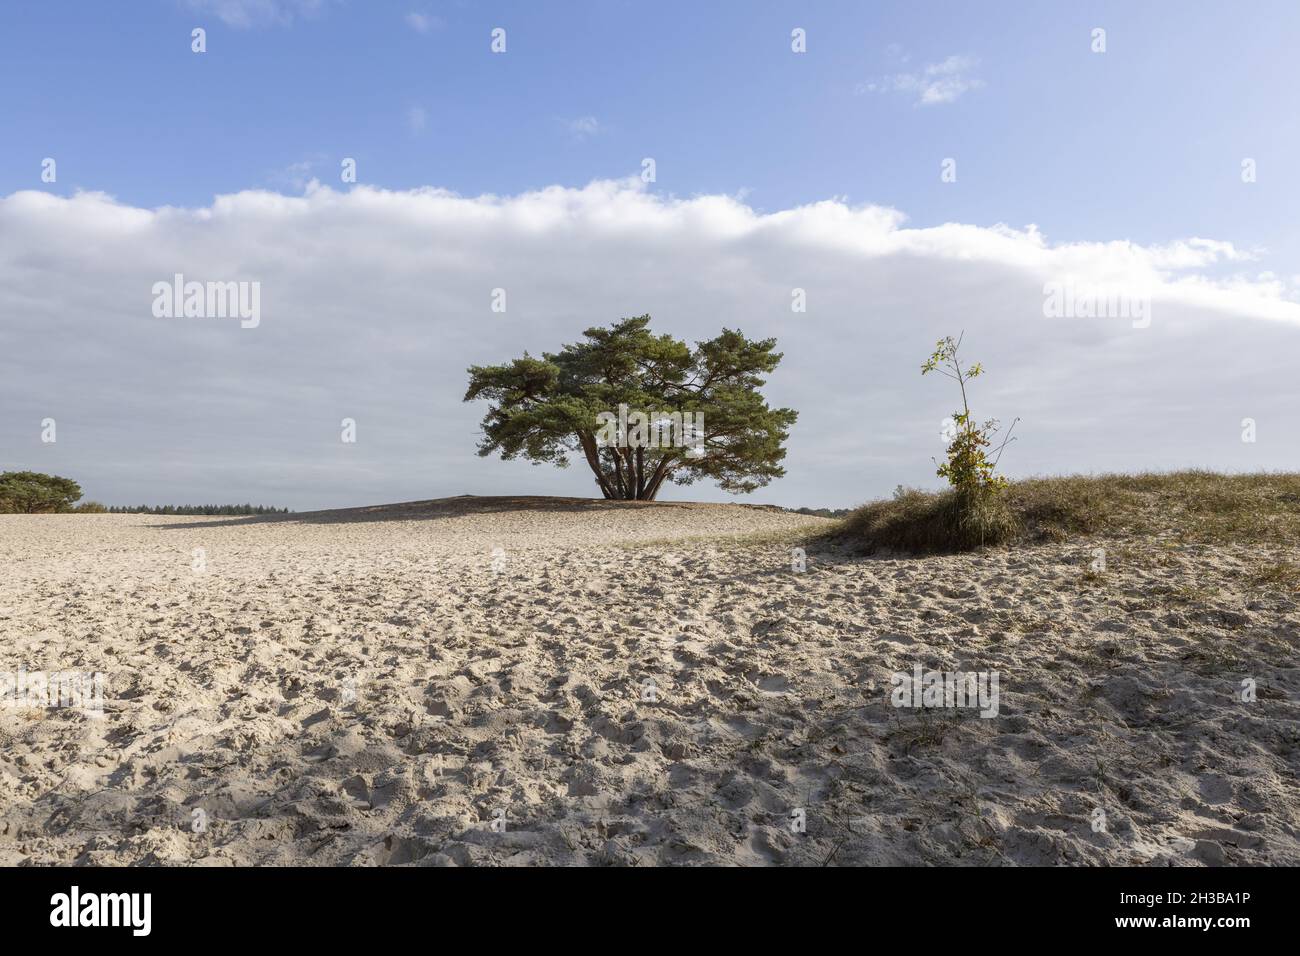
column 941, row 82
column 245, row 14
column 423, row 22
column 583, row 127
column 374, row 302
column 298, row 175
column 897, row 53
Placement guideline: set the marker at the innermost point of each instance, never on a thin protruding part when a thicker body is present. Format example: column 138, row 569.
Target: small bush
column 91, row 508
column 973, row 512
column 969, row 469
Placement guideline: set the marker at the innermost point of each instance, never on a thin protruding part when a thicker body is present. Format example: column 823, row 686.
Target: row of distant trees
column 31, row 492
column 245, row 509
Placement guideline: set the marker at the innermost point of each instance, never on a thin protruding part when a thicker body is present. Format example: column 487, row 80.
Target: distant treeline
column 195, row 510
column 821, row 512
column 33, row 493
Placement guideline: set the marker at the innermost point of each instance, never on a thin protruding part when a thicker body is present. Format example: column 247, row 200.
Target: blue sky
column 1141, row 142
column 774, row 171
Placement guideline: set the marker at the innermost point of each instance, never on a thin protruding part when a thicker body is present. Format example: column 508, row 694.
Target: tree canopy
column 30, row 492
column 641, row 409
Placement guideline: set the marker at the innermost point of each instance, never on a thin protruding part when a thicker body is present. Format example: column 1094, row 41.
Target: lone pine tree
column 695, row 413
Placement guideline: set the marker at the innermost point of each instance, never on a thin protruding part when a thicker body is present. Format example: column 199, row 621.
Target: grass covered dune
column 1189, row 506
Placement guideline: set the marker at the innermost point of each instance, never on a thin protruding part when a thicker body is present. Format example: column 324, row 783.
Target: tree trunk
column 618, row 473
column 628, row 480
column 653, row 491
column 662, row 471
column 592, row 454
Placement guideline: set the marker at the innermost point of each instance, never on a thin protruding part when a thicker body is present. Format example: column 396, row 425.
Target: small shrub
column 973, row 512
column 968, row 469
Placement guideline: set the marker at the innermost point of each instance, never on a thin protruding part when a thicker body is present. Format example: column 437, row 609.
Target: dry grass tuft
column 1189, row 506
column 1281, row 576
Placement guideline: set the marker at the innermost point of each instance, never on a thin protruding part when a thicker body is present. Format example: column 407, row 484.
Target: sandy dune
column 465, row 681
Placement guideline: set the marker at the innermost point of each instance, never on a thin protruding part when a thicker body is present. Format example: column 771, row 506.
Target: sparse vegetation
column 1187, row 506
column 973, row 513
column 1280, row 576
column 969, row 469
column 925, row 522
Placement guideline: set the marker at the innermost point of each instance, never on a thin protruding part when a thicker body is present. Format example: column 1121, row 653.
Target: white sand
column 363, row 687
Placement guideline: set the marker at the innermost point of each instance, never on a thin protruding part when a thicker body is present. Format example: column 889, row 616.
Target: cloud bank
column 374, row 302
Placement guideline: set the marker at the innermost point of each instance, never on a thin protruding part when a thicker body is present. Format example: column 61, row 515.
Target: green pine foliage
column 547, row 409
column 30, row 492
